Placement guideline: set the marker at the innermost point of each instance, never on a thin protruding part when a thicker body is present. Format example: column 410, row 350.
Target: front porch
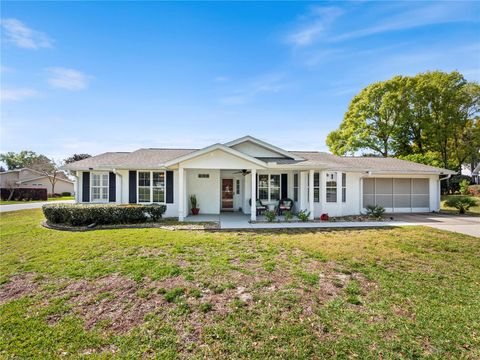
column 240, row 221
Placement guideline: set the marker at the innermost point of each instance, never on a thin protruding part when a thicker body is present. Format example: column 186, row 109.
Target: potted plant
column 194, row 205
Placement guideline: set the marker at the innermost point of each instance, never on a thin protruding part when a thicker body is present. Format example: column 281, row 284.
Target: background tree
column 49, row 168
column 19, row 160
column 76, row 157
column 373, row 120
column 431, row 118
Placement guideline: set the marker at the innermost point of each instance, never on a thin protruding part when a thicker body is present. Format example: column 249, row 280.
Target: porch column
column 310, row 194
column 181, row 194
column 253, row 206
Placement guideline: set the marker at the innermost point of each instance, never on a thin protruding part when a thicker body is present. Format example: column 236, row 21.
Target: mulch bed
column 158, row 225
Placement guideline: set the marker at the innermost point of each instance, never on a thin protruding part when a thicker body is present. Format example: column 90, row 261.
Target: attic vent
column 203, row 176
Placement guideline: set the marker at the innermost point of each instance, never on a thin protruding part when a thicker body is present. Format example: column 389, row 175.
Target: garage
column 397, row 194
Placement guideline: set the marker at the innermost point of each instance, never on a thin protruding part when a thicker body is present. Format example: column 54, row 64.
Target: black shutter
column 132, row 187
column 86, row 186
column 284, row 186
column 256, row 198
column 169, row 188
column 112, row 193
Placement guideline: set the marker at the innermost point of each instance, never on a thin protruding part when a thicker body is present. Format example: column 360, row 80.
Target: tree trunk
column 12, row 190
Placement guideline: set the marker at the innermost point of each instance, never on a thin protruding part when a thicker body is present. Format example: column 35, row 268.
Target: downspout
column 121, row 183
column 440, row 188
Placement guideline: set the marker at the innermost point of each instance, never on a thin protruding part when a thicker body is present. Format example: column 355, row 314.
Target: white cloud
column 17, row 94
column 221, row 79
column 319, row 20
column 430, row 14
column 267, row 84
column 69, row 79
column 16, row 32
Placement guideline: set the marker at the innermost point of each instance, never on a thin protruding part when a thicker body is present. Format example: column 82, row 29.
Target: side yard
column 131, row 293
column 473, row 211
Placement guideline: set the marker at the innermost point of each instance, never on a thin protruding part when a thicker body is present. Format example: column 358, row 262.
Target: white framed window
column 203, row 176
column 99, row 187
column 151, row 187
column 344, row 187
column 295, row 187
column 237, row 191
column 269, row 187
column 331, row 187
column 316, row 187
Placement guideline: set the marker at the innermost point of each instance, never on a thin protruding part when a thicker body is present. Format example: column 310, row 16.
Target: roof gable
column 214, row 150
column 259, row 149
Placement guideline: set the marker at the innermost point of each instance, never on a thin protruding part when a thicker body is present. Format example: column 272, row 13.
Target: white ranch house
column 224, row 176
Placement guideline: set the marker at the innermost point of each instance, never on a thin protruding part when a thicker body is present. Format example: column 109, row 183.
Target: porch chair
column 285, row 205
column 259, row 206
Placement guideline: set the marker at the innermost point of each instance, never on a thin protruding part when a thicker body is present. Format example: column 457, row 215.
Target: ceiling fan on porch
column 243, row 172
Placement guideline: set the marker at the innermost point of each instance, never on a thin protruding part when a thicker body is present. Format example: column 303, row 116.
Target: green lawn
column 408, row 292
column 475, row 211
column 6, row 202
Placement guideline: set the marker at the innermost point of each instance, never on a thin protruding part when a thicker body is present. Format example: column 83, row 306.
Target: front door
column 227, row 194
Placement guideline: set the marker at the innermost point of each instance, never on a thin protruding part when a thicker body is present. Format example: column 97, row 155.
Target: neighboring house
column 29, row 178
column 224, row 176
column 476, row 174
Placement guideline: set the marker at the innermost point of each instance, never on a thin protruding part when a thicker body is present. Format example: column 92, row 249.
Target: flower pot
column 195, row 211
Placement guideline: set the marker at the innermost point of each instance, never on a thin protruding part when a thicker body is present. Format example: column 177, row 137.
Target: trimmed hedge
column 24, row 194
column 84, row 215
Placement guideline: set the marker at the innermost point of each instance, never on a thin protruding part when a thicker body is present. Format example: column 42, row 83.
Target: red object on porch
column 324, row 217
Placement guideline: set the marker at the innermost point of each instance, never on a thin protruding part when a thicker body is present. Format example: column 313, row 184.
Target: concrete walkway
column 461, row 224
column 31, row 205
column 239, row 221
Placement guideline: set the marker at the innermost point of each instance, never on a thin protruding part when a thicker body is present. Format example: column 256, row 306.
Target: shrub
column 461, row 203
column 464, row 186
column 83, row 215
column 474, row 190
column 270, row 215
column 375, row 211
column 24, row 194
column 66, row 193
column 303, row 215
column 287, row 215
column 452, row 185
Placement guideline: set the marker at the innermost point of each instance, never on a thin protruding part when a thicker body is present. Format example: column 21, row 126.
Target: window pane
column 275, row 180
column 344, row 194
column 105, row 180
column 275, row 194
column 316, row 179
column 263, row 181
column 295, row 180
column 95, row 193
column 158, row 179
column 331, row 194
column 263, row 194
column 143, row 194
column 316, row 194
column 95, row 180
column 158, row 195
column 144, row 178
column 104, row 193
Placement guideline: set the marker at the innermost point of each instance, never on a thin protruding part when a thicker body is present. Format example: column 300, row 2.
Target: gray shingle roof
column 155, row 158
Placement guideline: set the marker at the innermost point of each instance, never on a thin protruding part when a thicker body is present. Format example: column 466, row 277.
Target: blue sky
column 94, row 77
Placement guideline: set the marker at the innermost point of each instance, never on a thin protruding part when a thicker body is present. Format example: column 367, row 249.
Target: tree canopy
column 76, row 157
column 23, row 159
column 432, row 118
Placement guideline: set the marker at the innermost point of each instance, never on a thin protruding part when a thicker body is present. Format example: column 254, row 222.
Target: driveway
column 32, row 205
column 469, row 225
